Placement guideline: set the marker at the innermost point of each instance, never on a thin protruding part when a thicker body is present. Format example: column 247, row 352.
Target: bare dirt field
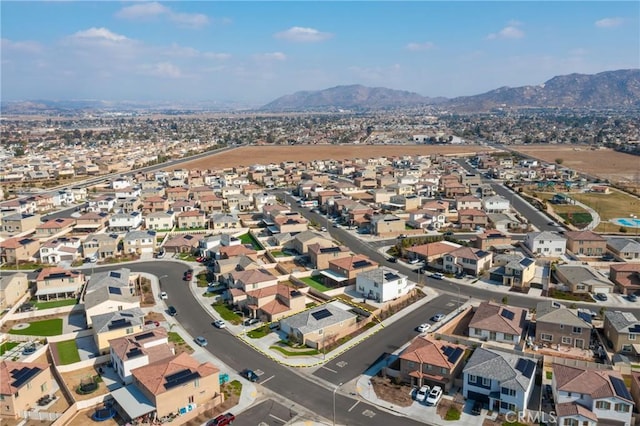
column 387, row 390
column 246, row 156
column 604, row 163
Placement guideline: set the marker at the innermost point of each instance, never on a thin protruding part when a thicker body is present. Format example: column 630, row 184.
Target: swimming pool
column 628, row 222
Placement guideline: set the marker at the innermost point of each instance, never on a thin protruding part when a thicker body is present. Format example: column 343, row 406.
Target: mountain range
column 609, row 89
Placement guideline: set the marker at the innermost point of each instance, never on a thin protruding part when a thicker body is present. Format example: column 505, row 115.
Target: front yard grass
column 226, row 313
column 287, row 352
column 54, row 303
column 68, row 352
column 50, row 327
column 563, row 295
column 202, row 279
column 313, row 282
column 260, row 332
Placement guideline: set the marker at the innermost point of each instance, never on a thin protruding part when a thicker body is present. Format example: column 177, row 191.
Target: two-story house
column 558, row 325
column 110, row 291
column 343, row 272
column 19, row 222
column 513, row 270
column 589, row 397
column 466, row 202
column 432, row 362
column 192, row 219
column 160, row 220
column 472, row 218
column 58, row 283
column 498, row 323
column 387, row 225
column 274, row 302
column 12, row 288
column 91, row 222
column 100, row 245
column 57, row 226
column 22, row 384
column 140, row 242
column 301, row 242
column 622, row 330
column 55, row 251
column 547, row 244
column 319, row 255
column 18, row 249
column 586, row 243
column 114, row 324
column 467, row 260
column 501, row 380
column 496, row 204
column 123, row 222
column 626, row 277
column 383, row 284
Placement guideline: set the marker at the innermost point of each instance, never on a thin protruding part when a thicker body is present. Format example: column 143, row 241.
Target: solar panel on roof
column 114, row 274
column 620, row 388
column 321, row 314
column 361, row 263
column 482, row 253
column 390, row 276
column 635, row 328
column 329, row 249
column 121, row 323
column 188, row 237
column 526, row 261
column 447, row 350
column 177, row 375
column 507, row 314
column 585, row 317
column 134, row 352
column 144, row 336
column 184, row 379
column 115, row 290
column 455, row 355
column 23, row 375
column 526, row 367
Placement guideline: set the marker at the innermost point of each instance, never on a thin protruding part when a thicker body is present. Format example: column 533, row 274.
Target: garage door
column 146, row 250
column 478, row 397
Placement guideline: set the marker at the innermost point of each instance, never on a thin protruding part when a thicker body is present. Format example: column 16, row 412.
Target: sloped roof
column 499, row 318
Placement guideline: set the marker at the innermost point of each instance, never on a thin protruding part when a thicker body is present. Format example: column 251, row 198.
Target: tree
column 559, row 160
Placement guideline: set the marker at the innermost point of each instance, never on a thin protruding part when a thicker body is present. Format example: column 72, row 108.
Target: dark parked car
column 250, row 375
column 26, row 307
column 632, row 297
column 601, row 297
column 476, row 410
column 172, row 311
column 222, row 420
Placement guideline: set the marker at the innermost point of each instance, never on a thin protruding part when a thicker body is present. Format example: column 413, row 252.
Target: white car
column 437, row 276
column 423, row 327
column 434, row 396
column 438, row 317
column 219, row 324
column 164, row 295
column 422, row 393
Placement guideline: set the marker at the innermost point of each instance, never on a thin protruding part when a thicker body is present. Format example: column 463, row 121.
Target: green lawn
column 313, row 282
column 50, row 327
column 7, row 346
column 68, row 352
column 295, row 353
column 248, row 239
column 54, row 303
column 579, row 219
column 278, row 253
column 175, row 338
column 259, row 332
column 226, row 313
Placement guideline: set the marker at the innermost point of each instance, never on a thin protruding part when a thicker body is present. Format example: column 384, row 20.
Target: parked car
column 323, row 229
column 438, row 317
column 164, row 295
column 250, row 375
column 392, row 260
column 414, row 261
column 172, row 311
column 601, row 297
column 26, row 307
column 222, row 420
column 201, row 341
column 422, row 393
column 434, row 396
column 152, row 322
column 437, row 276
column 219, row 324
column 476, row 410
column 423, row 327
column 632, row 297
column 188, row 275
column 251, row 321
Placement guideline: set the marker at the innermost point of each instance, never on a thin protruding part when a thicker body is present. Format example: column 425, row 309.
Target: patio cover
column 334, row 276
column 56, row 290
column 132, row 401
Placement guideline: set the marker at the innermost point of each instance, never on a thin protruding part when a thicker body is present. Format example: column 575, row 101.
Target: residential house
column 101, row 245
column 557, row 325
column 114, row 324
column 582, row 279
column 466, row 202
column 12, row 288
column 547, row 244
column 498, row 323
column 228, row 252
column 123, row 222
column 472, row 219
column 19, row 223
column 91, row 222
column 493, row 240
column 586, row 243
column 426, row 219
column 504, row 381
column 58, row 283
column 590, row 397
column 626, row 277
column 182, row 243
column 57, row 226
column 177, row 193
column 160, row 220
column 292, row 222
column 387, row 225
column 432, row 362
column 513, row 270
column 110, row 291
column 192, row 219
column 140, row 242
column 301, row 242
column 103, row 203
column 22, row 384
column 624, row 248
column 55, row 251
column 18, row 249
column 155, row 203
column 224, row 221
column 320, row 326
column 383, row 284
column 171, row 386
column 139, row 349
column 274, row 302
column 343, row 271
column 241, row 282
column 622, row 330
column 467, row 260
column 431, row 252
column 496, row 204
column 406, row 202
column 320, row 255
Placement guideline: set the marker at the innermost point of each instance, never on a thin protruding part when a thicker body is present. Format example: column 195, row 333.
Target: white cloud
column 21, row 46
column 420, row 46
column 155, row 9
column 272, row 56
column 164, row 70
column 609, row 22
column 303, row 35
column 508, row 32
column 98, row 34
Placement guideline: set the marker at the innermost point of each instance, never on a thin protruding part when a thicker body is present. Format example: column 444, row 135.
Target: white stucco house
column 383, row 284
column 548, row 244
column 496, row 204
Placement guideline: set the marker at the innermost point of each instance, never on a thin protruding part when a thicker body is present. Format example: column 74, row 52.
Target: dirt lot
column 247, row 156
column 74, row 378
column 387, row 390
column 605, row 163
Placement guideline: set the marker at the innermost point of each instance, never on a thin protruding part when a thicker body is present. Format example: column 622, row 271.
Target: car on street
column 201, row 341
column 414, row 261
column 188, row 275
column 437, row 276
column 164, row 295
column 476, row 410
column 222, row 420
column 172, row 311
column 601, row 297
column 392, row 259
column 323, row 229
column 434, row 396
column 250, row 375
column 423, row 327
column 219, row 324
column 448, row 234
column 422, row 393
column 438, row 317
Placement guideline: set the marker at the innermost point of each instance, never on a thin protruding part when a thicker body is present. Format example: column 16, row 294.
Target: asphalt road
column 267, row 413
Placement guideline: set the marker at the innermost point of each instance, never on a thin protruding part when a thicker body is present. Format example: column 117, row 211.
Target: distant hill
column 609, row 89
column 354, row 97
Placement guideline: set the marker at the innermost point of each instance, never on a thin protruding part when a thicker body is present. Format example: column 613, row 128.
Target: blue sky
column 254, row 52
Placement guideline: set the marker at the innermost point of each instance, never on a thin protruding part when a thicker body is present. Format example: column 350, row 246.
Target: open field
column 246, row 156
column 604, row 163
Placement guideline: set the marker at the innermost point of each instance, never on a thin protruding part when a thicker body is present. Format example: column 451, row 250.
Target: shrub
column 453, row 414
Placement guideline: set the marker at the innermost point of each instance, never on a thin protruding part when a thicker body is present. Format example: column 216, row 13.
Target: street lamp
column 334, row 403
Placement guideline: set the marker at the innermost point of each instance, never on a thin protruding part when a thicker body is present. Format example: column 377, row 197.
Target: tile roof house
column 18, row 249
column 140, row 242
column 192, row 219
column 626, row 277
column 343, row 271
column 513, row 271
column 502, row 380
column 432, row 362
column 160, row 220
column 622, row 329
column 467, row 260
column 431, row 252
column 320, row 255
column 624, row 248
column 591, row 397
column 19, row 223
column 301, row 242
column 586, row 243
column 22, row 384
column 383, row 284
column 110, row 291
column 493, row 239
column 112, row 325
column 101, row 245
column 59, row 249
column 548, row 244
column 583, row 279
column 58, row 283
column 472, row 218
column 558, row 325
column 12, row 288
column 274, row 302
column 498, row 323
column 182, row 243
column 54, row 227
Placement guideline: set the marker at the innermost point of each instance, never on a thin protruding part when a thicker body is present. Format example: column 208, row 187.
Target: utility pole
column 334, row 402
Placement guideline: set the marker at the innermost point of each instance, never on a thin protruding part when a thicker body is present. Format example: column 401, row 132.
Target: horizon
column 255, row 52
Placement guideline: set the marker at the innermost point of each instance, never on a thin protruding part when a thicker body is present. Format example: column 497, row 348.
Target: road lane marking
column 327, row 368
column 266, row 380
column 353, row 406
